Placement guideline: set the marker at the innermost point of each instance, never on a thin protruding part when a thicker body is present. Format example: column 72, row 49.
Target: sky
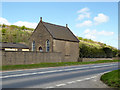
column 93, row 20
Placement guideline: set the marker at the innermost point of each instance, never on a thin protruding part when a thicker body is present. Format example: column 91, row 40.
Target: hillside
column 15, row 33
column 91, row 49
column 88, row 47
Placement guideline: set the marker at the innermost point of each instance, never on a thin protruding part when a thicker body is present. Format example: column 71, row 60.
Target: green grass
column 112, row 79
column 92, row 44
column 40, row 65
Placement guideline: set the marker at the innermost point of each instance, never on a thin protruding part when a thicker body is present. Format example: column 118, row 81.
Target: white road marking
column 52, row 71
column 78, row 80
column 60, row 85
column 71, row 82
column 50, row 87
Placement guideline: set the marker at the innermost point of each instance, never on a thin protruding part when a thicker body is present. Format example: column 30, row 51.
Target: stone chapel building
column 49, row 37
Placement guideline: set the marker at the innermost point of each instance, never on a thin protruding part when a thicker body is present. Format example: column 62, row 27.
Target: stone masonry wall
column 70, row 50
column 40, row 36
column 92, row 59
column 15, row 58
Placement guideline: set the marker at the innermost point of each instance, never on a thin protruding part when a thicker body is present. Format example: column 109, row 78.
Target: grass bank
column 40, row 65
column 112, row 79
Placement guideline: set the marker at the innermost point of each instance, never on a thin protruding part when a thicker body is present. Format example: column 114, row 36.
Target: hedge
column 90, row 51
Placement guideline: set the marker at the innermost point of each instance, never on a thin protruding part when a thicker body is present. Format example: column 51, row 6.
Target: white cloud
column 19, row 23
column 87, row 31
column 105, row 33
column 93, row 34
column 27, row 24
column 82, row 16
column 85, row 23
column 83, row 13
column 84, row 10
column 101, row 41
column 4, row 21
column 101, row 18
column 90, row 34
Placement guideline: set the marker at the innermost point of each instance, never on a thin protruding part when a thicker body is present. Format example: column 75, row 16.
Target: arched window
column 40, row 49
column 47, row 46
column 33, row 46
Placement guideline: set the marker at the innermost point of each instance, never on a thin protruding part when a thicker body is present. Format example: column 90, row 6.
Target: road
column 78, row 76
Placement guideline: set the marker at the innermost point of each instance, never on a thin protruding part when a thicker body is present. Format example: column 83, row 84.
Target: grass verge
column 29, row 66
column 112, row 79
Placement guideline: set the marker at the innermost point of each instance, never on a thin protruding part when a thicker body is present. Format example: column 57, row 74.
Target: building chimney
column 66, row 25
column 41, row 19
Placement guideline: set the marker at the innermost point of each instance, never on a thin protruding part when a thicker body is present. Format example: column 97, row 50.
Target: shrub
column 89, row 51
column 80, row 38
column 3, row 26
column 115, row 52
column 108, row 51
column 23, row 27
column 3, row 31
column 14, row 26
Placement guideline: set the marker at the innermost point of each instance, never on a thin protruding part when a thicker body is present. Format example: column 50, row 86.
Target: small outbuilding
column 7, row 46
column 49, row 37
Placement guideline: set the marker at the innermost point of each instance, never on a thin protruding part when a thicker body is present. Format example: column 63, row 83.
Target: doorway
column 40, row 49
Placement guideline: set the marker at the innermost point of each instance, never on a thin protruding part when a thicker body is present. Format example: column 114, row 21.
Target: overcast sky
column 93, row 20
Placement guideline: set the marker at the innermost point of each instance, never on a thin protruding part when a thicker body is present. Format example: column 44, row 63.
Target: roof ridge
column 54, row 24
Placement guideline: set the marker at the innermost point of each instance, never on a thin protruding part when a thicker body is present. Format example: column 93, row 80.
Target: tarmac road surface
column 77, row 76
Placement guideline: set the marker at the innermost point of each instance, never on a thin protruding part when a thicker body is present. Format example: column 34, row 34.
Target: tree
column 23, row 27
column 115, row 52
column 108, row 52
column 3, row 31
column 3, row 26
column 80, row 38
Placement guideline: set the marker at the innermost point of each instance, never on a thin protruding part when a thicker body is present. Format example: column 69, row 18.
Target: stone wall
column 92, row 59
column 15, row 58
column 70, row 50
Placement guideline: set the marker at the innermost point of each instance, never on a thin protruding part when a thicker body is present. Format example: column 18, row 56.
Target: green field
column 112, row 79
column 40, row 65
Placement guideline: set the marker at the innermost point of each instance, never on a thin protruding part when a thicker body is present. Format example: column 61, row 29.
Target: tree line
column 90, row 51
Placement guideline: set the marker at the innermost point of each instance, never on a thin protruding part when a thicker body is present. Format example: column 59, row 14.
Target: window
column 47, row 46
column 33, row 46
column 40, row 49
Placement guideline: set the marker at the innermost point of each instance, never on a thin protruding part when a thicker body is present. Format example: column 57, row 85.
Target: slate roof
column 12, row 45
column 60, row 32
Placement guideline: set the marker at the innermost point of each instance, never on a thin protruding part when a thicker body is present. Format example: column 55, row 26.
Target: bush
column 80, row 38
column 115, row 52
column 108, row 51
column 3, row 26
column 3, row 31
column 89, row 51
column 14, row 26
column 23, row 27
